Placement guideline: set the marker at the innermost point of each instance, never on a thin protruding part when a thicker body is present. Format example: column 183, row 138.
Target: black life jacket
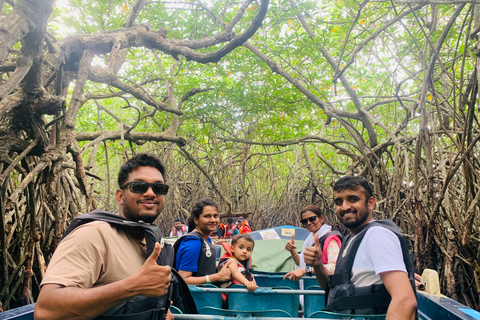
column 343, row 296
column 206, row 260
column 142, row 307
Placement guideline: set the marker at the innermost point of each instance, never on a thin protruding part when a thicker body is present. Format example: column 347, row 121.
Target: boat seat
column 206, row 299
column 263, row 299
column 331, row 315
column 175, row 310
column 310, row 282
column 244, row 314
column 276, row 280
column 313, row 303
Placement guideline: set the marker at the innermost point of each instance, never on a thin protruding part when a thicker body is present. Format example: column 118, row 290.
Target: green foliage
column 248, row 101
column 322, row 89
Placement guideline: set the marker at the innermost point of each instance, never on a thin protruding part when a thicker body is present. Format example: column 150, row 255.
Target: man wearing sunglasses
column 102, row 266
column 374, row 274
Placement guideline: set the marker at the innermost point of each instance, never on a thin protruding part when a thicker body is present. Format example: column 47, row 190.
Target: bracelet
column 208, row 280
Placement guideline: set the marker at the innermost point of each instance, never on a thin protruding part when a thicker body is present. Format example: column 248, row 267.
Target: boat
column 279, row 299
column 281, row 302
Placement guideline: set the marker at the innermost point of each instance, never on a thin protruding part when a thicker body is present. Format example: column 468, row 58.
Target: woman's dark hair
column 312, row 208
column 197, row 211
column 239, row 236
column 140, row 160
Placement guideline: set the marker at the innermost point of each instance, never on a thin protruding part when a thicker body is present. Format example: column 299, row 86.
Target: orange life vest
column 244, row 228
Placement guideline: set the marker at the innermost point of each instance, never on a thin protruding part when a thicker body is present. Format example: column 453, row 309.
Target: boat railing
column 258, row 291
column 282, row 303
column 262, row 304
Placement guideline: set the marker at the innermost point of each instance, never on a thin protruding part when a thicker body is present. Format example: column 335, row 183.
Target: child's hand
column 251, row 285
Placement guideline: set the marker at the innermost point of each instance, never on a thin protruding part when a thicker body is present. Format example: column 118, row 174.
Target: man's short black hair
column 177, row 220
column 140, row 160
column 230, row 220
column 353, row 183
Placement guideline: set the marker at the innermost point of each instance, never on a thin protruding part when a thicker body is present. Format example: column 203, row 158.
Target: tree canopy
column 260, row 105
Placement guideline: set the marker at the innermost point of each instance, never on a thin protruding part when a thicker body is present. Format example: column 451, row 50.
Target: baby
column 241, row 251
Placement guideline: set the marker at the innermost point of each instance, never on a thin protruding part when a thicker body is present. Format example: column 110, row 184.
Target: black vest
column 343, row 296
column 142, row 307
column 206, row 260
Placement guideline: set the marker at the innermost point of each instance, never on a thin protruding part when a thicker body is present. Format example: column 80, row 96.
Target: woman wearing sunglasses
column 194, row 253
column 313, row 219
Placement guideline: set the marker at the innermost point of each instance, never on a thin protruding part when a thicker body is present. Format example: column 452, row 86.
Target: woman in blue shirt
column 194, row 253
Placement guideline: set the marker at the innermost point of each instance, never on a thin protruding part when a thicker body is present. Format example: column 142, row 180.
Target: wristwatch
column 309, row 270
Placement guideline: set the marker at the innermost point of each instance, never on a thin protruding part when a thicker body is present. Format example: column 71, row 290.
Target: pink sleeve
column 332, row 254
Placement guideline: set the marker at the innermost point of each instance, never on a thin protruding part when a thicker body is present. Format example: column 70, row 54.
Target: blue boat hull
column 282, row 303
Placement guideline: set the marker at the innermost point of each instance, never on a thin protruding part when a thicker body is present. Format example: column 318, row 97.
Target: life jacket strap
column 375, row 296
column 338, row 279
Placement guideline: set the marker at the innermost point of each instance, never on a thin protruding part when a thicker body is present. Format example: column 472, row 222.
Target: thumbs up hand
column 313, row 255
column 290, row 246
column 152, row 280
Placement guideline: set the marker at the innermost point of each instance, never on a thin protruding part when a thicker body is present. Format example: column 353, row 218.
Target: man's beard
column 134, row 212
column 353, row 224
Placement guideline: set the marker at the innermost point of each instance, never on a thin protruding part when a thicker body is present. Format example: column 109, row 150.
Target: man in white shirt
column 374, row 274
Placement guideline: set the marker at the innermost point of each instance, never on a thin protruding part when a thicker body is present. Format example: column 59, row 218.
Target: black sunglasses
column 311, row 219
column 158, row 188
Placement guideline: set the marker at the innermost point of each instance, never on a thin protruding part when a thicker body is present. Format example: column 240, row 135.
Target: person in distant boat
column 228, row 230
column 374, row 274
column 195, row 257
column 313, row 219
column 178, row 229
column 243, row 226
column 99, row 266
